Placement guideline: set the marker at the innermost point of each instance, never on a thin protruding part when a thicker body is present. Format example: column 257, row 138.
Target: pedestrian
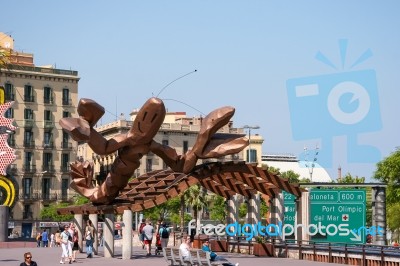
column 38, row 239
column 185, row 248
column 58, row 239
column 52, row 241
column 75, row 245
column 28, row 260
column 164, row 234
column 214, row 257
column 89, row 234
column 45, row 238
column 141, row 234
column 148, row 232
column 65, row 255
column 101, row 238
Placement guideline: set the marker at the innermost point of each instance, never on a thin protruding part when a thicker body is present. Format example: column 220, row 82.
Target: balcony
column 30, row 144
column 27, row 215
column 11, row 142
column 48, row 168
column 48, row 196
column 66, row 102
column 12, row 169
column 29, row 98
column 27, row 168
column 48, row 100
column 65, row 168
column 29, row 123
column 10, row 97
column 48, row 145
column 66, row 145
column 29, row 197
column 48, row 124
column 65, row 196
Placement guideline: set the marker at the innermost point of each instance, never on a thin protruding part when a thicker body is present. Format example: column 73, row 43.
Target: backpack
column 164, row 233
column 141, row 227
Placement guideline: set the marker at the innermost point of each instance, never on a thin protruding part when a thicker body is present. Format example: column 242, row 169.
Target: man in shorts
column 148, row 232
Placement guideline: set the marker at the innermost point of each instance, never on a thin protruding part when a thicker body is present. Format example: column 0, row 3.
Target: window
column 253, row 156
column 47, row 115
column 11, row 140
column 64, row 188
column 9, row 92
column 27, row 186
column 65, row 162
column 9, row 113
column 149, row 165
column 65, row 97
column 27, row 212
column 47, row 93
column 66, row 114
column 47, row 139
column 185, row 146
column 47, row 162
column 165, row 142
column 28, row 161
column 28, row 114
column 65, row 139
column 28, row 94
column 28, row 138
column 46, row 188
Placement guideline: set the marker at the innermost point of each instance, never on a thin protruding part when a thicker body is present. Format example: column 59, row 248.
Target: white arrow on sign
column 356, row 237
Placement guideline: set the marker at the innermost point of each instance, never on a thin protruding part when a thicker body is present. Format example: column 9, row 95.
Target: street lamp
column 249, row 150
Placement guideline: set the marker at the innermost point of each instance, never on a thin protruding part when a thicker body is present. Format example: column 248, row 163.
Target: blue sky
column 245, row 52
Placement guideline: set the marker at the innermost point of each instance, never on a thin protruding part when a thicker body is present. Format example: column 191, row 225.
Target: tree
column 291, row 176
column 50, row 213
column 195, row 197
column 388, row 171
column 348, row 178
column 4, row 57
column 218, row 208
column 163, row 211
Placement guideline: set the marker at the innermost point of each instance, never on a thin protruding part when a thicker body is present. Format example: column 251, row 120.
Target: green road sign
column 336, row 215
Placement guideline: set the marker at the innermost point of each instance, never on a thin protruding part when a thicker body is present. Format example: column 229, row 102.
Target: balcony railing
column 66, row 102
column 48, row 145
column 12, row 169
column 29, row 98
column 27, row 215
column 29, row 196
column 10, row 97
column 48, row 196
column 48, row 168
column 29, row 123
column 48, row 100
column 29, row 144
column 27, row 168
column 65, row 168
column 66, row 145
column 48, row 124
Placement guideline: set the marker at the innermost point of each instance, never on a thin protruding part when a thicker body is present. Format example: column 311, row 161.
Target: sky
column 308, row 73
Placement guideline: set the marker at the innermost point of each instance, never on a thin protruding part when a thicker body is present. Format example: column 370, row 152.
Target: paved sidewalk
column 51, row 256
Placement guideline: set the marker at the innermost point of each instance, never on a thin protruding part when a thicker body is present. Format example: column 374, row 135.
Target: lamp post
column 249, row 150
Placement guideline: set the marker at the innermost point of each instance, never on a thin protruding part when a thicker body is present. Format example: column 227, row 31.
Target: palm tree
column 195, row 197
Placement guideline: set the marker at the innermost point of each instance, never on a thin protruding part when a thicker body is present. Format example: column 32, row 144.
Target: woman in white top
column 184, row 248
column 65, row 246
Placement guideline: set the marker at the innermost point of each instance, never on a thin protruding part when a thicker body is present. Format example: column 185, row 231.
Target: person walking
column 89, row 235
column 52, row 240
column 45, row 238
column 58, row 238
column 75, row 244
column 148, row 232
column 164, row 234
column 38, row 239
column 28, row 260
column 64, row 238
column 141, row 234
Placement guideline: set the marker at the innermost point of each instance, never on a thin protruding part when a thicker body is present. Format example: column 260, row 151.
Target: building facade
column 41, row 96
